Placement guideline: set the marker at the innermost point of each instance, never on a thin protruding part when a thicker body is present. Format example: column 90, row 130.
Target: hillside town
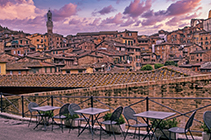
column 104, row 51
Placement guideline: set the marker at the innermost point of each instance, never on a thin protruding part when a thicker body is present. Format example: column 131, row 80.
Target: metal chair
column 71, row 108
column 63, row 113
column 30, row 106
column 128, row 113
column 115, row 116
column 183, row 130
column 207, row 121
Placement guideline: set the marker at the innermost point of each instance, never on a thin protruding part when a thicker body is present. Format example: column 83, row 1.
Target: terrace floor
column 18, row 129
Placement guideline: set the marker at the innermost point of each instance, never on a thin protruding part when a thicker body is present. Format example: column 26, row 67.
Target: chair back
column 207, row 119
column 116, row 114
column 31, row 105
column 64, row 109
column 72, row 107
column 190, row 121
column 128, row 113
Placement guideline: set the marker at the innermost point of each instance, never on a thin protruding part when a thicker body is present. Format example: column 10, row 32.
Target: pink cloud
column 64, row 12
column 95, row 22
column 128, row 22
column 74, row 21
column 182, row 7
column 117, row 19
column 173, row 22
column 138, row 23
column 136, row 8
column 106, row 10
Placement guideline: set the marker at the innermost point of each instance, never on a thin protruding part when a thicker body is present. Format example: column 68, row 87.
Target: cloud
column 128, row 22
column 64, row 12
column 95, row 22
column 19, row 9
column 182, row 7
column 173, row 22
column 107, row 10
column 74, row 21
column 136, row 8
column 116, row 20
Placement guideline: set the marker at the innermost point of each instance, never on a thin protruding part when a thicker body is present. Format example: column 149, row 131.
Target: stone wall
column 160, row 92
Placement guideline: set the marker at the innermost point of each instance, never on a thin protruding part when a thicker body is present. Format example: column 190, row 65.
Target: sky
column 75, row 16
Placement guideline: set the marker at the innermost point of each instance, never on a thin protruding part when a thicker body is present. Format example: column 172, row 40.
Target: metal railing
column 17, row 104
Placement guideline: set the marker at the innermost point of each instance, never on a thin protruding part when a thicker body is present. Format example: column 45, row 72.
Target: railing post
column 91, row 101
column 1, row 103
column 22, row 100
column 147, row 108
column 51, row 100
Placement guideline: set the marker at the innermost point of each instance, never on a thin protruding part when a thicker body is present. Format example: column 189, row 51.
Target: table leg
column 87, row 122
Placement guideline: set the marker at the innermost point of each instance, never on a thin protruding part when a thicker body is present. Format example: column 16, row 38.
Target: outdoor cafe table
column 157, row 117
column 43, row 117
column 91, row 112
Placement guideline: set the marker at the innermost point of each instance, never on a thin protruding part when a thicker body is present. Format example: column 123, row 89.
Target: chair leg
column 169, row 135
column 113, row 131
column 191, row 135
column 100, row 131
column 134, row 136
column 126, row 132
column 30, row 121
column 139, row 133
column 62, row 125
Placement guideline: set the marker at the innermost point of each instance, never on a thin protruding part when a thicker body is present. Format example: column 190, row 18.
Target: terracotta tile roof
column 90, row 80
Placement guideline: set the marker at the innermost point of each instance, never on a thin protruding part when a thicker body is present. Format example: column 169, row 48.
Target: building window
column 27, row 42
column 10, row 72
column 192, row 57
column 200, row 60
column 38, row 40
column 50, row 70
column 21, row 41
column 19, row 72
column 67, row 71
column 45, row 70
column 200, row 54
column 129, row 34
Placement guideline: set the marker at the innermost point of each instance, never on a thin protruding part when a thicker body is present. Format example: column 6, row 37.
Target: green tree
column 158, row 65
column 167, row 63
column 147, row 67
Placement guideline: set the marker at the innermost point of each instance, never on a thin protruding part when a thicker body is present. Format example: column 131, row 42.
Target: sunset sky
column 73, row 16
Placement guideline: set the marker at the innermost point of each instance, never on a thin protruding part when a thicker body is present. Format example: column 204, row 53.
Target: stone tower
column 49, row 23
column 209, row 14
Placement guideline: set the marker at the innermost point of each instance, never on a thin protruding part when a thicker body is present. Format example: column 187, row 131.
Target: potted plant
column 120, row 121
column 165, row 125
column 46, row 115
column 205, row 133
column 70, row 120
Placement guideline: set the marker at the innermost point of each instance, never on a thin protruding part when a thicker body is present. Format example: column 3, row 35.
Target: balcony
column 182, row 106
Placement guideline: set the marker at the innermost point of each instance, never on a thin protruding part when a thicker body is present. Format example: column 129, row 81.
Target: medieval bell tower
column 49, row 23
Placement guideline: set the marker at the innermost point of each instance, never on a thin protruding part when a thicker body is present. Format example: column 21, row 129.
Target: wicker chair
column 71, row 108
column 63, row 113
column 128, row 113
column 115, row 116
column 183, row 130
column 207, row 121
